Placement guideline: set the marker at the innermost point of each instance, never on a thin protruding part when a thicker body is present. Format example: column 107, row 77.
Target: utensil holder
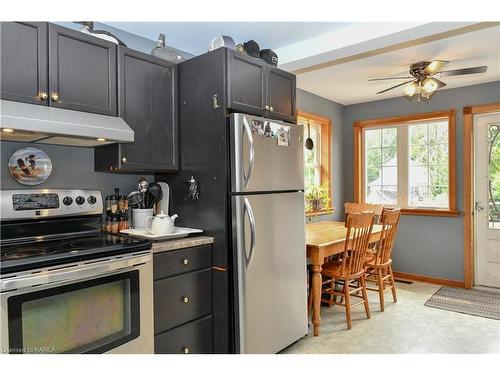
column 139, row 216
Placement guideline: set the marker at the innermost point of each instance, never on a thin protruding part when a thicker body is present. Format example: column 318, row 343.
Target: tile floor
column 404, row 327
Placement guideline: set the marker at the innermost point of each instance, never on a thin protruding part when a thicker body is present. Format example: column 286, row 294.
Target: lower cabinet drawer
column 180, row 299
column 190, row 338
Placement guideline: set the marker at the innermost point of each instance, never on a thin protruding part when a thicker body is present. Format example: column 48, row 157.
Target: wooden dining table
column 324, row 239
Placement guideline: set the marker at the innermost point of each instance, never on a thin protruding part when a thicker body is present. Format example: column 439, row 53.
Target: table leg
column 316, row 297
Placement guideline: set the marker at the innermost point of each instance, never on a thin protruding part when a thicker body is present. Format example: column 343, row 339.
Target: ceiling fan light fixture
column 410, row 89
column 429, row 85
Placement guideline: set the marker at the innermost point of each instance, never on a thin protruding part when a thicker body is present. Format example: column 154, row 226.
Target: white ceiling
column 345, row 81
column 194, row 37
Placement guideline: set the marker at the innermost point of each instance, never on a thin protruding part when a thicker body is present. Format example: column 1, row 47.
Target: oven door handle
column 76, row 273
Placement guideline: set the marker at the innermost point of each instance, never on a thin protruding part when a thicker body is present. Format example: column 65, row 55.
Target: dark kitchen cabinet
column 257, row 88
column 183, row 302
column 281, row 94
column 82, row 72
column 246, row 84
column 147, row 101
column 24, row 59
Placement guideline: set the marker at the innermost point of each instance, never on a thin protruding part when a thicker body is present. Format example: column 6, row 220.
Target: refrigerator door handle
column 247, row 129
column 251, row 219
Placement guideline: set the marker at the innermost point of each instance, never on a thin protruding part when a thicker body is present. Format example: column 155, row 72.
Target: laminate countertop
column 181, row 243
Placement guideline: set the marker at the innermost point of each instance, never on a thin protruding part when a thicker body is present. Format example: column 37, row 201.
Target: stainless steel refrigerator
column 268, row 233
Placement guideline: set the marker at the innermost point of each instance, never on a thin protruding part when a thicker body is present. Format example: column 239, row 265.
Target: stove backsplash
column 72, row 168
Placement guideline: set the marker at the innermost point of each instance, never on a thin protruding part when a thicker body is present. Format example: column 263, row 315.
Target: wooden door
column 82, row 71
column 281, row 89
column 246, row 84
column 23, row 66
column 148, row 103
column 487, row 199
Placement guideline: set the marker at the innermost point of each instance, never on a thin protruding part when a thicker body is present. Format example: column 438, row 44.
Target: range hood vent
column 41, row 124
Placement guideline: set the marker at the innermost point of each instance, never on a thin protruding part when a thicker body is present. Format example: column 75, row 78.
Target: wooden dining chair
column 378, row 263
column 349, row 273
column 351, row 208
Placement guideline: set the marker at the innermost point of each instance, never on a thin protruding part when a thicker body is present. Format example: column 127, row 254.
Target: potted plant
column 317, row 197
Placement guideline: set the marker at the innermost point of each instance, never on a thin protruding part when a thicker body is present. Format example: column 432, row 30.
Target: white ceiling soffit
column 341, row 74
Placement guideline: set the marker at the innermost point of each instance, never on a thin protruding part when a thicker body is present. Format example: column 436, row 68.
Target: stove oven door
column 91, row 315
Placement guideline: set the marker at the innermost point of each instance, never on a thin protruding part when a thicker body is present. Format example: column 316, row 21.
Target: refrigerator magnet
column 284, row 136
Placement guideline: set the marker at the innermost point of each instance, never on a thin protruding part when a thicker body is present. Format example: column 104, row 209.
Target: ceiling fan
column 425, row 78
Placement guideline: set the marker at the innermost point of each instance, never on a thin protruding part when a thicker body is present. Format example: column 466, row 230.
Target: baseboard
column 429, row 279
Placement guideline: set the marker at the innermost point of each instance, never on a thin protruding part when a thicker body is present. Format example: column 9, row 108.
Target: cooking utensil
column 309, row 141
column 142, row 187
column 156, row 192
column 134, row 199
column 221, row 41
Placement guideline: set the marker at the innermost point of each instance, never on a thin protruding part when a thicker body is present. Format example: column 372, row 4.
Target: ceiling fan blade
column 383, row 79
column 459, row 72
column 435, row 66
column 393, row 87
column 440, row 83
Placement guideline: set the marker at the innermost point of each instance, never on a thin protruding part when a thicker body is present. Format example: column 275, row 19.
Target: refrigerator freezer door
column 258, row 161
column 271, row 258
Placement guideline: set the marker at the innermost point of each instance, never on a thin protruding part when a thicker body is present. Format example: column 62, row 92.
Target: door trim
column 468, row 113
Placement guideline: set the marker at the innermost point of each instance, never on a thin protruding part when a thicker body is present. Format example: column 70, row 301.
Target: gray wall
column 316, row 104
column 426, row 245
column 72, row 168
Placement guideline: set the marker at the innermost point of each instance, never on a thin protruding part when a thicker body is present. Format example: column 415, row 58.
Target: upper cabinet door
column 82, row 72
column 246, row 84
column 148, row 103
column 281, row 94
column 23, row 67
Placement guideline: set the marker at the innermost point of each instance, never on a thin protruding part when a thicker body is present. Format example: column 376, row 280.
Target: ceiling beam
column 363, row 40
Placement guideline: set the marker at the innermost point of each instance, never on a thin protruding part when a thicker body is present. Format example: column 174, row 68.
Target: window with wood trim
column 407, row 161
column 317, row 169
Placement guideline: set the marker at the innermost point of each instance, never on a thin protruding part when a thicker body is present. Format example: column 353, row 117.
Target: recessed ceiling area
column 194, row 37
column 346, row 82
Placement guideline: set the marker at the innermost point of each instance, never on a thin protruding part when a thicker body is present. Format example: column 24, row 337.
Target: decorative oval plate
column 30, row 166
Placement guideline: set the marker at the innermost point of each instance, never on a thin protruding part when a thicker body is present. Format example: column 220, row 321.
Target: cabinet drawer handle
column 43, row 96
column 55, row 97
column 185, row 350
column 185, row 261
column 124, row 159
column 185, row 299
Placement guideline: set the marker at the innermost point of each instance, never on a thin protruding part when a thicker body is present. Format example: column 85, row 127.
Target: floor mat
column 467, row 301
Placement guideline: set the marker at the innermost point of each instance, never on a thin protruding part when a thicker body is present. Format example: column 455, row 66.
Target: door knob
column 124, row 159
column 185, row 261
column 185, row 350
column 43, row 96
column 185, row 299
column 55, row 97
column 271, row 109
column 479, row 207
column 267, row 107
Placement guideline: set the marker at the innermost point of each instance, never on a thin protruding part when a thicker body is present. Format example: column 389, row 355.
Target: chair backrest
column 359, row 229
column 390, row 223
column 351, row 208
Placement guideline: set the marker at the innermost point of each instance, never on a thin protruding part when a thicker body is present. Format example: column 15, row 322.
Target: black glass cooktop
column 16, row 257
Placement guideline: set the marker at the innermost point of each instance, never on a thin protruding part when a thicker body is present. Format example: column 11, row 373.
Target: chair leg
column 309, row 296
column 380, row 283
column 347, row 299
column 393, row 284
column 333, row 297
column 365, row 296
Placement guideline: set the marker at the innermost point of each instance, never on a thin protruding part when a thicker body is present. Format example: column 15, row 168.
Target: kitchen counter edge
column 181, row 243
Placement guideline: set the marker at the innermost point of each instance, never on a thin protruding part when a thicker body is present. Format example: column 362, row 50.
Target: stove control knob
column 67, row 201
column 92, row 199
column 80, row 200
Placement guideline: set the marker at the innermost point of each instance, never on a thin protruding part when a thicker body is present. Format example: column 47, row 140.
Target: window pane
column 381, row 172
column 389, row 137
column 373, row 163
column 312, row 158
column 428, row 172
column 373, row 138
column 418, row 134
column 494, row 176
